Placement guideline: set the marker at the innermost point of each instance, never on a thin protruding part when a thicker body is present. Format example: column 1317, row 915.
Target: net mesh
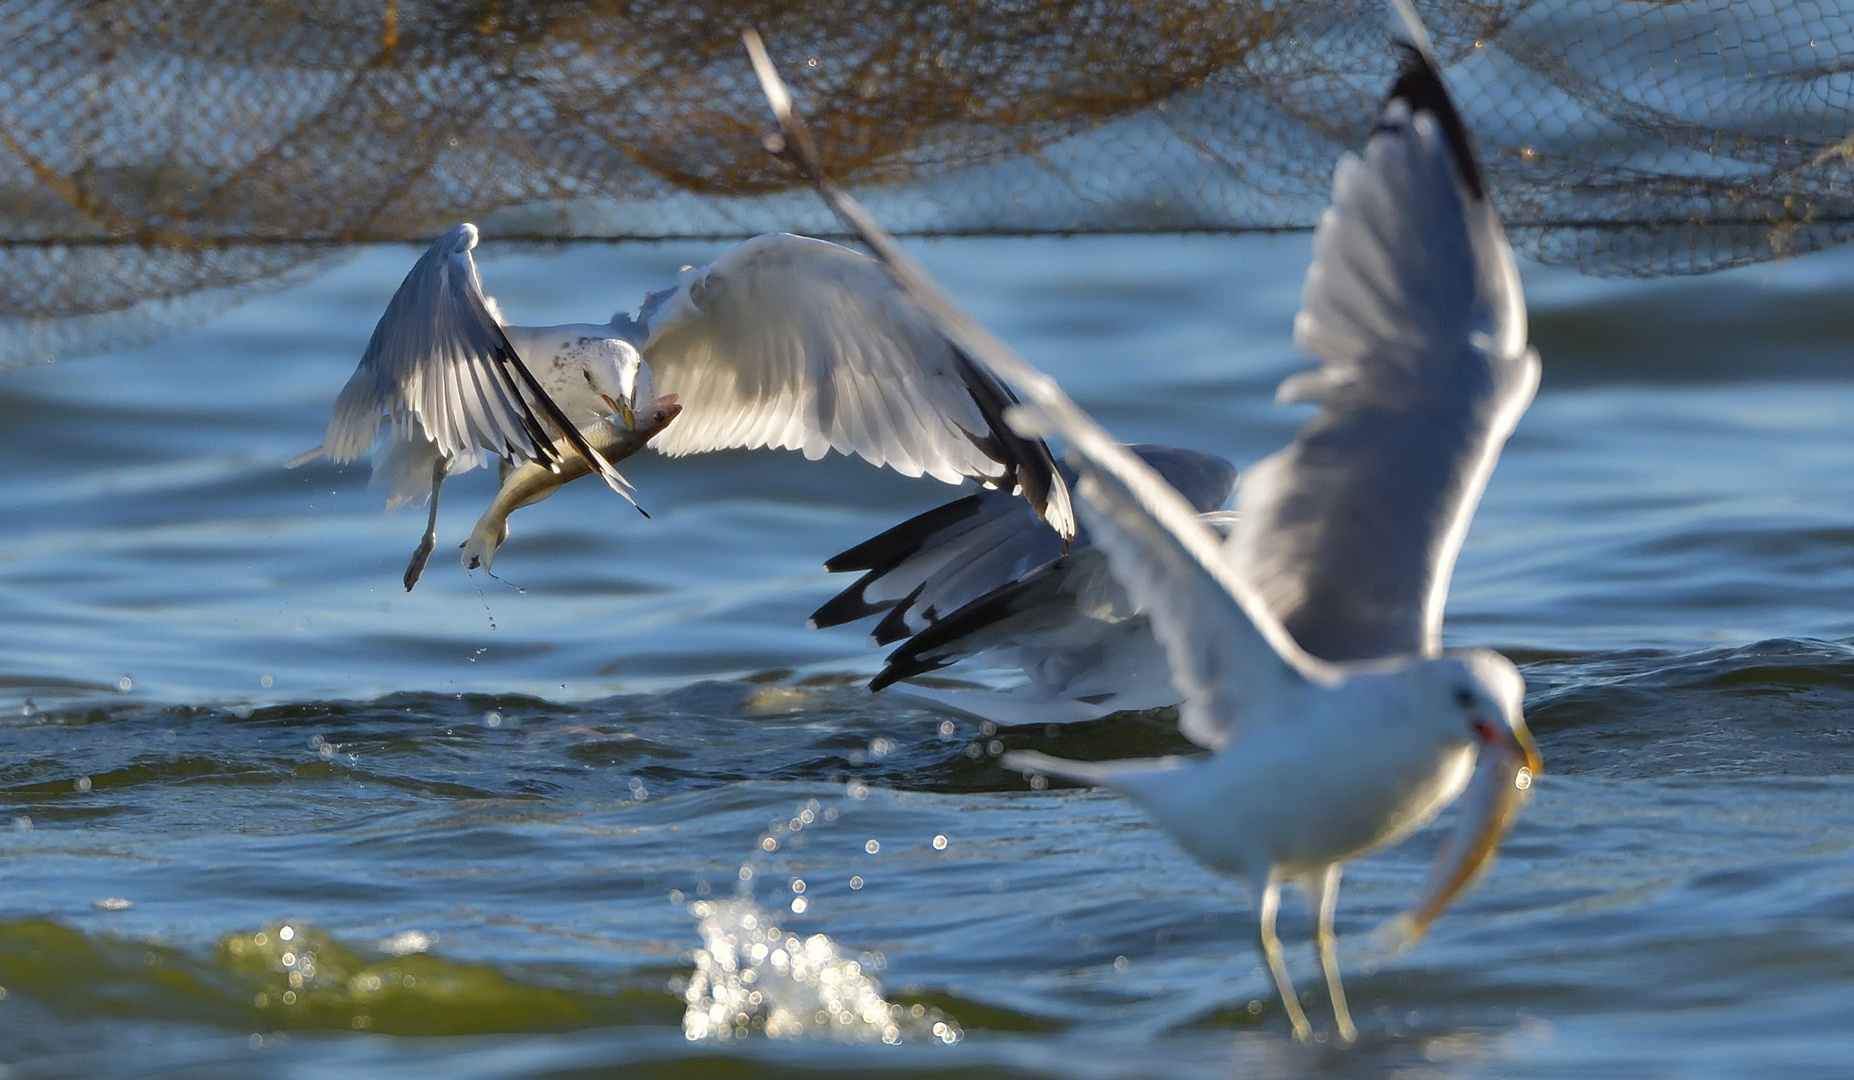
column 159, row 157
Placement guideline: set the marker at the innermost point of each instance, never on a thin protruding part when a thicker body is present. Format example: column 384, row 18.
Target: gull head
column 1476, row 695
column 621, row 379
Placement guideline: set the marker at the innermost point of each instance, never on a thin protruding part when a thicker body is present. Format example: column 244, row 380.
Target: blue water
column 221, row 708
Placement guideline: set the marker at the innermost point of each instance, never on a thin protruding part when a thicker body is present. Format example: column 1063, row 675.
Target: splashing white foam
column 753, row 976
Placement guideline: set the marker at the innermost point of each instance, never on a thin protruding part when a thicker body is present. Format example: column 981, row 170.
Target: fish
column 533, row 481
column 1498, row 790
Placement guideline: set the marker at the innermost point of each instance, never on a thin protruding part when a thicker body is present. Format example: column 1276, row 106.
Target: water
column 506, row 827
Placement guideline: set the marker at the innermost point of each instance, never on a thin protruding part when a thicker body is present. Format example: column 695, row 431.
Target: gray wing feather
column 433, row 360
column 1413, row 303
column 1231, row 662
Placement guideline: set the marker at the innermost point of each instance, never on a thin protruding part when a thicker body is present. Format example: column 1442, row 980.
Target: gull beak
column 1527, row 749
column 621, row 409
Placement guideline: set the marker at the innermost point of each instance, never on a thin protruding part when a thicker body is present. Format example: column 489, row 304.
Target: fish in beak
column 1498, row 790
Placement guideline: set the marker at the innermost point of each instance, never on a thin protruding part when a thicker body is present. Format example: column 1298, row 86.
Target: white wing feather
column 805, row 345
column 1413, row 303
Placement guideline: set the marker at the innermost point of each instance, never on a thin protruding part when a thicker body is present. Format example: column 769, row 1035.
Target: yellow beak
column 621, row 409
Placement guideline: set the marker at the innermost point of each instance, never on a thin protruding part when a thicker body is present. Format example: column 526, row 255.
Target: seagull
column 984, row 575
column 1307, row 646
column 784, row 342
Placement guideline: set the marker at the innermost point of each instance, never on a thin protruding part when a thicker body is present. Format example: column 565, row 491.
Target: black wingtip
column 848, row 605
column 894, row 626
column 1028, row 461
column 892, row 546
column 1419, row 83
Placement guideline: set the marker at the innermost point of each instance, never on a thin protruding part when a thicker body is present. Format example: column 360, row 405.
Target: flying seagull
column 784, row 342
column 1344, row 542
column 983, row 576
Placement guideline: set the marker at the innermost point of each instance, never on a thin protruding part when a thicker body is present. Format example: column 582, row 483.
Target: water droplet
column 30, row 708
column 267, row 682
column 994, row 747
column 675, row 896
column 873, row 846
column 492, row 718
column 1120, row 963
column 287, row 933
column 767, row 843
column 799, row 904
column 125, row 684
column 82, row 784
column 1523, row 779
column 798, row 885
column 856, row 881
column 988, row 729
column 947, row 727
column 856, row 789
column 939, row 843
column 746, row 873
column 114, row 903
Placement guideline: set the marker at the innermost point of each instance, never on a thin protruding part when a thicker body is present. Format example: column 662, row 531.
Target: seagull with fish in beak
column 1307, row 646
column 783, row 342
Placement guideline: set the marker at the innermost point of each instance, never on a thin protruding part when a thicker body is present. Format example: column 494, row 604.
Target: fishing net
column 160, row 157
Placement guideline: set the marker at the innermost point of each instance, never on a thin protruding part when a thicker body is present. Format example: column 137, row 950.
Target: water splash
column 752, row 975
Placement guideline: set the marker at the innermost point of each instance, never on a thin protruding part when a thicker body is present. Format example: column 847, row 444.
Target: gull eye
column 1463, row 697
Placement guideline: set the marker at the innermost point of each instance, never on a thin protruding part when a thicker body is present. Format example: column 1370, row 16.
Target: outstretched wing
column 439, row 361
column 1230, row 658
column 992, row 579
column 805, row 345
column 1413, row 304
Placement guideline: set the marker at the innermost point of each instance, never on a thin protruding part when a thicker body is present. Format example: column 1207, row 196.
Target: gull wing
column 1230, row 658
column 439, row 361
column 937, row 562
column 801, row 344
column 1413, row 304
column 992, row 591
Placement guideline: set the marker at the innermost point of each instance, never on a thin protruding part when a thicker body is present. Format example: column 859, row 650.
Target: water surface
column 484, row 809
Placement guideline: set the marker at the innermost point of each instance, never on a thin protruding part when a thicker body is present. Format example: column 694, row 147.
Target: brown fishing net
column 160, row 156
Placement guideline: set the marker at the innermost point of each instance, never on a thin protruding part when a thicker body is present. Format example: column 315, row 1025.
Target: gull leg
column 1266, row 904
column 503, row 467
column 1323, row 898
column 439, row 470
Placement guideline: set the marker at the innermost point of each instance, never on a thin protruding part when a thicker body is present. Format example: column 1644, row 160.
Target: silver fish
column 533, row 481
column 1498, row 790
